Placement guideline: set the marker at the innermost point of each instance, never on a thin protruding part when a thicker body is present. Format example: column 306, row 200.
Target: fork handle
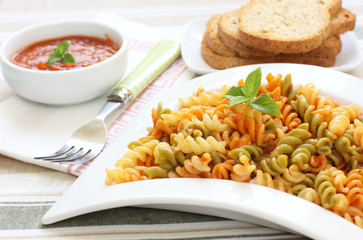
column 156, row 61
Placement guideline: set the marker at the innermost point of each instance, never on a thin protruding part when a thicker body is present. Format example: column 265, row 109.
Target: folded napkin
column 29, row 129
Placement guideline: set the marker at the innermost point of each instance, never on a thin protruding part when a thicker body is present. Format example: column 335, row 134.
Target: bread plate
column 348, row 59
column 234, row 200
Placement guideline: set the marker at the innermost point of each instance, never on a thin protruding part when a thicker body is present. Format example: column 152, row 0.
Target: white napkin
column 29, row 129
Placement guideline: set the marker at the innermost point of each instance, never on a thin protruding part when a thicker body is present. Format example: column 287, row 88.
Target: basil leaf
column 264, row 103
column 234, row 92
column 53, row 58
column 62, row 47
column 237, row 100
column 253, row 83
column 58, row 53
column 67, row 58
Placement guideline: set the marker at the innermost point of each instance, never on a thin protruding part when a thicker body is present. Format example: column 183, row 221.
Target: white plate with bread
column 214, row 43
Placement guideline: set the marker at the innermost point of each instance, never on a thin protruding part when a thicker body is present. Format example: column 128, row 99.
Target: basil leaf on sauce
column 59, row 53
column 67, row 58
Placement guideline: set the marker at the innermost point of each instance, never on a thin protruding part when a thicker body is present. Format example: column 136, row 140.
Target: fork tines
column 69, row 154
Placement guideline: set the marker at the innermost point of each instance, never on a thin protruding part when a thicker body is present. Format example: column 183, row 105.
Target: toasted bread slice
column 330, row 48
column 342, row 22
column 228, row 35
column 223, row 62
column 284, row 26
column 213, row 40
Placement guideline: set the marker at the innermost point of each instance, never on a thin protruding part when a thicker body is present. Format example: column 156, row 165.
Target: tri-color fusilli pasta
column 313, row 149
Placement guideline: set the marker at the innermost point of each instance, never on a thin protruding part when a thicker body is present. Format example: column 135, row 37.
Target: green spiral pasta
column 164, row 156
column 308, row 182
column 325, row 189
column 216, row 157
column 155, row 172
column 291, row 140
column 358, row 155
column 252, row 152
column 138, row 143
column 160, row 110
column 302, row 154
column 180, row 157
column 196, row 129
column 344, row 150
column 335, row 158
column 288, row 90
column 318, row 127
column 271, row 126
column 324, row 146
column 344, row 143
column 274, row 166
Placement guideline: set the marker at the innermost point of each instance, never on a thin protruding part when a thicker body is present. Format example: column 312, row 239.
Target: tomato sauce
column 85, row 50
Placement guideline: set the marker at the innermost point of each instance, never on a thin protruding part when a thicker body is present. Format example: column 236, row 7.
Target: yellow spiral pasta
column 138, row 153
column 339, row 124
column 310, row 195
column 199, row 145
column 214, row 124
column 212, row 98
column 241, row 172
column 121, row 175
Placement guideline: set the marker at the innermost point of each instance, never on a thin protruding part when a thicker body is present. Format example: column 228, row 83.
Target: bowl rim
column 28, row 30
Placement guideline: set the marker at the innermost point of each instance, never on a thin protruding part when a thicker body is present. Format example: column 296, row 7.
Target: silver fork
column 88, row 141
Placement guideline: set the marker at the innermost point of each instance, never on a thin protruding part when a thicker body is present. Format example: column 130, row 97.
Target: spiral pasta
column 195, row 167
column 138, row 153
column 326, row 190
column 313, row 149
column 198, row 145
column 203, row 98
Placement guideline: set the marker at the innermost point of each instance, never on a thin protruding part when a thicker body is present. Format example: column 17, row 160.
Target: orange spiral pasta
column 355, row 186
column 290, row 117
column 223, row 170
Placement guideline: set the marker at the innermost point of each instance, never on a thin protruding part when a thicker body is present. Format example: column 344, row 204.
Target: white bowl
column 68, row 86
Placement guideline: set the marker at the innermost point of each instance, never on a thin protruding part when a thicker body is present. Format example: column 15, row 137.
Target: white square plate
column 235, row 200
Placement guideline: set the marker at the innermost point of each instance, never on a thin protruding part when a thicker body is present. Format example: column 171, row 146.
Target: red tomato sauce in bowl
column 85, row 50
